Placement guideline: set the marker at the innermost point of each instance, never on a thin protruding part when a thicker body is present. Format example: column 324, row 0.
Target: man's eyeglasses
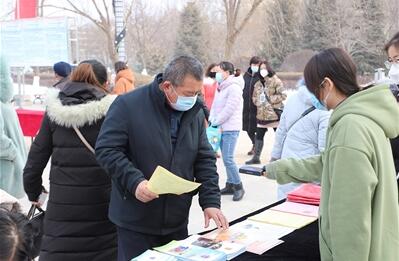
column 388, row 64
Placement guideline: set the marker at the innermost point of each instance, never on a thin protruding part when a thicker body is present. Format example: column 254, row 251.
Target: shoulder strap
column 306, row 112
column 85, row 142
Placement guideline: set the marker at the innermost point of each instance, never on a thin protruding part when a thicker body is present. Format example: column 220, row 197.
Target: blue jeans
column 227, row 146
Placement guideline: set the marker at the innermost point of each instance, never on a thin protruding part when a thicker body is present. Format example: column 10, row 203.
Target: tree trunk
column 229, row 47
column 232, row 8
column 113, row 54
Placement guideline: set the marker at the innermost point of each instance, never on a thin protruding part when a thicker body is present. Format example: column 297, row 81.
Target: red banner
column 26, row 9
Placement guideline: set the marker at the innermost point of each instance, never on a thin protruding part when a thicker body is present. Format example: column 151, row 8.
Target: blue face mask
column 219, row 77
column 317, row 104
column 183, row 103
column 254, row 69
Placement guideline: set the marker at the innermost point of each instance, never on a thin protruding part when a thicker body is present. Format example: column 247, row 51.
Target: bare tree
column 103, row 22
column 234, row 28
column 40, row 8
column 152, row 35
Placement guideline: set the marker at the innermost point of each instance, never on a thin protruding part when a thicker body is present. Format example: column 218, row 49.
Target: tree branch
column 255, row 4
column 106, row 11
column 79, row 12
column 129, row 11
column 98, row 11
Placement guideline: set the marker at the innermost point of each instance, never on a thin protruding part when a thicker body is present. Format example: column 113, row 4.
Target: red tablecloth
column 30, row 121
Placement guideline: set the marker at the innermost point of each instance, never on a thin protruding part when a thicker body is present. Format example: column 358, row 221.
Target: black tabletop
column 300, row 245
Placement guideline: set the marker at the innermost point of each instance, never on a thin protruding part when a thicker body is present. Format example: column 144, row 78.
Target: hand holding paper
column 163, row 181
column 143, row 193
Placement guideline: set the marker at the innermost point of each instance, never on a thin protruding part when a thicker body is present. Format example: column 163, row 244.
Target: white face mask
column 254, row 68
column 263, row 72
column 394, row 73
column 182, row 103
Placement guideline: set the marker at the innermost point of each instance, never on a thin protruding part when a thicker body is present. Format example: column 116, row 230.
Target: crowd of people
column 104, row 144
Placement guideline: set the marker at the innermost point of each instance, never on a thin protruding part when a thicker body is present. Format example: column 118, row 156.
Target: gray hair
column 177, row 70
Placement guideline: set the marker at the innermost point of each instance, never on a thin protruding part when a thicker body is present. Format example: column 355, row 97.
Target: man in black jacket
column 159, row 124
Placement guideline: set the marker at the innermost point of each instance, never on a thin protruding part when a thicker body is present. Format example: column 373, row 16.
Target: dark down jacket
column 76, row 225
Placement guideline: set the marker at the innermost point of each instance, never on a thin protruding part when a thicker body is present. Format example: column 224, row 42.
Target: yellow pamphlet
column 283, row 219
column 163, row 181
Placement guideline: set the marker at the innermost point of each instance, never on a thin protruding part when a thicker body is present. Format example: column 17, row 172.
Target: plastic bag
column 214, row 136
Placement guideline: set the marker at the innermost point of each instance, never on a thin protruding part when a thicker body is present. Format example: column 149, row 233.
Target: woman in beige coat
column 268, row 98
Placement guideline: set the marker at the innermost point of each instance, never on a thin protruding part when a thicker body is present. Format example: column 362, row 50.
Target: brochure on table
column 283, row 219
column 183, row 250
column 257, row 234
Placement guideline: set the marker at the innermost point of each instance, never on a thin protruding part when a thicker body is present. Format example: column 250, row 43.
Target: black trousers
column 132, row 244
column 251, row 135
column 260, row 133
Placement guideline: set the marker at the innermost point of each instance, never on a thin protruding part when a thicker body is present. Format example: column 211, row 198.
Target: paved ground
column 259, row 191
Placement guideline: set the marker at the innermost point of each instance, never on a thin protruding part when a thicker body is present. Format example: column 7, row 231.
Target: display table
column 300, row 245
column 30, row 121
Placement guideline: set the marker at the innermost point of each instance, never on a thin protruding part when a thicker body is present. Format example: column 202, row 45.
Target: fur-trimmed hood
column 76, row 115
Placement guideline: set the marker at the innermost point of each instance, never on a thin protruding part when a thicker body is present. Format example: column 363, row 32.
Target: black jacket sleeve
column 39, row 154
column 206, row 173
column 112, row 149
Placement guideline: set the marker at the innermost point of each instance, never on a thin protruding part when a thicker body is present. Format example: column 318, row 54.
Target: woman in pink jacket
column 226, row 113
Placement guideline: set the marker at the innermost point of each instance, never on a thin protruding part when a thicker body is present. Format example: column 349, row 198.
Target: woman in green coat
column 359, row 213
column 12, row 146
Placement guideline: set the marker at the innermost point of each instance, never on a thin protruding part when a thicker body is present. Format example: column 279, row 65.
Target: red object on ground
column 306, row 193
column 26, row 9
column 30, row 121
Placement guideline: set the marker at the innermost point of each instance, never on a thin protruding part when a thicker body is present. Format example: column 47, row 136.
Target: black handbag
column 36, row 218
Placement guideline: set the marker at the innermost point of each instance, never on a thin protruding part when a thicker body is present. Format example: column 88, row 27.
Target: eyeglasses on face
column 388, row 64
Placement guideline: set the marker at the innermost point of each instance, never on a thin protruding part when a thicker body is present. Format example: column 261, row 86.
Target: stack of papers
column 163, row 181
column 306, row 193
column 297, row 208
column 185, row 251
column 151, row 255
column 283, row 219
column 257, row 234
column 230, row 249
column 257, row 237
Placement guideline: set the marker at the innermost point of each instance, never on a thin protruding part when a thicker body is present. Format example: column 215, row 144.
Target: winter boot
column 252, row 151
column 238, row 192
column 228, row 190
column 258, row 150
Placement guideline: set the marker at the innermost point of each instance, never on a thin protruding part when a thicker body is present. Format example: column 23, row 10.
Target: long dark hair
column 335, row 64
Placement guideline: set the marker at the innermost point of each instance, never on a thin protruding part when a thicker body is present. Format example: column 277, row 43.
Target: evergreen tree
column 371, row 56
column 283, row 30
column 319, row 14
column 190, row 40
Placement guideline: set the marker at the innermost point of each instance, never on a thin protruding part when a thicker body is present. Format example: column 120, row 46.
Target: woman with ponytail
column 76, row 225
